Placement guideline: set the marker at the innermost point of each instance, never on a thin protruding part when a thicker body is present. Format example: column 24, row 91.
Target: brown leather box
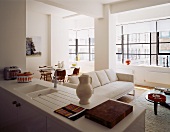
column 109, row 113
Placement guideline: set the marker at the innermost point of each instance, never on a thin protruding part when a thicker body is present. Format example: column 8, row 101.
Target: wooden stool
column 45, row 75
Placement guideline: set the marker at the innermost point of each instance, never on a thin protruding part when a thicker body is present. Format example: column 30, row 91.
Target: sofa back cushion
column 103, row 78
column 111, row 75
column 95, row 80
column 73, row 79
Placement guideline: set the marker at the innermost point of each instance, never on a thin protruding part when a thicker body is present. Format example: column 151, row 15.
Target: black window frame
column 157, row 43
column 90, row 44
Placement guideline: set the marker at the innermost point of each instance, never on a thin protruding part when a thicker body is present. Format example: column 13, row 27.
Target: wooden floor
column 139, row 90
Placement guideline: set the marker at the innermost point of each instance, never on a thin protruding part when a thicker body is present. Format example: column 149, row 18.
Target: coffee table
column 158, row 97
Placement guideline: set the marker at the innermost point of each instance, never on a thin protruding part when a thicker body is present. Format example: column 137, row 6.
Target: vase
column 59, row 64
column 128, row 62
column 84, row 89
column 62, row 64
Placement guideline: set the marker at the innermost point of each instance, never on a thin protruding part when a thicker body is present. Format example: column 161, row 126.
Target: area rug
column 154, row 123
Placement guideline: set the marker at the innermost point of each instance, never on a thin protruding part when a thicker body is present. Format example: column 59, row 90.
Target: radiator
column 158, row 77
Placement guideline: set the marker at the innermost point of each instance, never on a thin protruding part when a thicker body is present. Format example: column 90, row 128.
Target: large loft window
column 81, row 45
column 146, row 43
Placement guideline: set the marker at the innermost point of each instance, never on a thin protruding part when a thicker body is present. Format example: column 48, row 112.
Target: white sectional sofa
column 107, row 83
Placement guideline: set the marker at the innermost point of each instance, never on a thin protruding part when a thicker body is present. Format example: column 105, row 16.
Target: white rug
column 154, row 123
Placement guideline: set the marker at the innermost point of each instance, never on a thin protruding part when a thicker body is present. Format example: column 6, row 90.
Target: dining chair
column 60, row 74
column 75, row 72
column 45, row 74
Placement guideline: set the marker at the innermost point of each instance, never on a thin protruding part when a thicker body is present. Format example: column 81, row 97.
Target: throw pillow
column 73, row 79
column 102, row 77
column 111, row 75
column 95, row 80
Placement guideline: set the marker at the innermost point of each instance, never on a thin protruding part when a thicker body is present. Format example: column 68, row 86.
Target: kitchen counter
column 133, row 121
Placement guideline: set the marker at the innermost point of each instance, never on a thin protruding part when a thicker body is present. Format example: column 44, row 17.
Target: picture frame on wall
column 33, row 46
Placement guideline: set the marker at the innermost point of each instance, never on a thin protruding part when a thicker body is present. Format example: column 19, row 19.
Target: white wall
column 146, row 75
column 12, row 33
column 38, row 25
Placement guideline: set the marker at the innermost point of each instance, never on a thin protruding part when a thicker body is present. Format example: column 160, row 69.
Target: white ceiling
column 92, row 8
column 48, row 9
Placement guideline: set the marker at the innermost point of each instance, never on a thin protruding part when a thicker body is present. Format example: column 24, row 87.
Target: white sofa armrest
column 72, row 85
column 125, row 77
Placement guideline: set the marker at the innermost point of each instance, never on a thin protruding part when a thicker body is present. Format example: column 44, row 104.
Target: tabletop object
column 109, row 113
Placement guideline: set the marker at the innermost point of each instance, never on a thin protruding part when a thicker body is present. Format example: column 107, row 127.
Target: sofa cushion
column 111, row 75
column 114, row 90
column 73, row 79
column 95, row 80
column 102, row 77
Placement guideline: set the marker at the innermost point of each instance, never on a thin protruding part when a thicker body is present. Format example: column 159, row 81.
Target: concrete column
column 105, row 40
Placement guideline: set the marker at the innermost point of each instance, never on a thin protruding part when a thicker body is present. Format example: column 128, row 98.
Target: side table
column 156, row 99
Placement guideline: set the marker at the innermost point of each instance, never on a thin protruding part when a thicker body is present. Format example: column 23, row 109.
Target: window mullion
column 157, row 47
column 150, row 49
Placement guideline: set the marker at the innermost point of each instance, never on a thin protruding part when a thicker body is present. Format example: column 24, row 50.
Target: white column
column 59, row 41
column 105, row 41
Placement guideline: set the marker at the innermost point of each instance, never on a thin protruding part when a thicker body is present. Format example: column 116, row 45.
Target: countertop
column 80, row 124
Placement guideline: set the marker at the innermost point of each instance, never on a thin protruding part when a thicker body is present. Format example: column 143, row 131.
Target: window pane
column 118, row 48
column 118, row 40
column 72, row 37
column 163, row 25
column 139, row 38
column 91, row 36
column 118, row 34
column 140, row 59
column 72, row 49
column 125, row 39
column 153, row 59
column 83, row 37
column 153, row 48
column 125, row 49
column 119, row 58
column 153, row 37
column 164, row 36
column 92, row 57
column 92, row 41
column 139, row 49
column 72, row 57
column 84, row 57
column 162, row 60
column 164, row 47
column 91, row 33
column 83, row 49
column 91, row 49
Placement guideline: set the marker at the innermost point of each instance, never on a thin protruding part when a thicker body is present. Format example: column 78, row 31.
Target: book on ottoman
column 109, row 113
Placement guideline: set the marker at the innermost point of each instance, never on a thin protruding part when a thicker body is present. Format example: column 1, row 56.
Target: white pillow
column 73, row 79
column 95, row 80
column 111, row 75
column 102, row 77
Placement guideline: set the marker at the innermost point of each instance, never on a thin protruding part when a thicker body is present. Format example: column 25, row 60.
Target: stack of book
column 71, row 111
